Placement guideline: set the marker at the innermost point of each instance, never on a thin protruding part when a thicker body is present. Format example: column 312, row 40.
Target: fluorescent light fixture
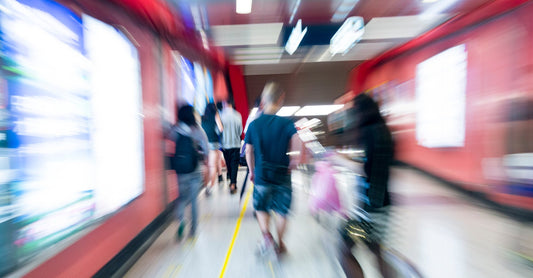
column 287, row 111
column 348, row 35
column 343, row 10
column 312, row 123
column 429, row 1
column 318, row 110
column 301, row 122
column 438, row 8
column 244, row 6
column 294, row 11
column 295, row 38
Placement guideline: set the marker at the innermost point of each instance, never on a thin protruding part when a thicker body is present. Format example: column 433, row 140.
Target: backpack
column 187, row 154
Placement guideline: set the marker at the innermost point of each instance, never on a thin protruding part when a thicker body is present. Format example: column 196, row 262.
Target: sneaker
column 208, row 191
column 220, row 178
column 267, row 246
column 232, row 188
column 179, row 232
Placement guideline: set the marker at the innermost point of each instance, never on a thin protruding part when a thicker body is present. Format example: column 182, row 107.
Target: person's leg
column 234, row 161
column 230, row 167
column 263, row 219
column 227, row 159
column 219, row 164
column 383, row 266
column 196, row 185
column 281, row 201
column 262, row 197
column 348, row 262
column 212, row 174
column 180, row 207
column 380, row 223
column 212, row 170
column 183, row 200
column 343, row 245
column 281, row 227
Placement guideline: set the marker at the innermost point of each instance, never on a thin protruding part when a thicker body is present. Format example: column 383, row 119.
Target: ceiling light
column 287, row 111
column 294, row 11
column 429, row 1
column 295, row 38
column 318, row 110
column 311, row 123
column 300, row 122
column 244, row 6
column 438, row 8
column 348, row 35
column 343, row 10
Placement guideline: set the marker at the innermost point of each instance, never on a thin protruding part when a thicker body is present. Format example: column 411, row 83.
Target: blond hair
column 271, row 93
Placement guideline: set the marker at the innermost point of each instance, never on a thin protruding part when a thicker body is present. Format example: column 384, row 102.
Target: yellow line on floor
column 176, row 271
column 271, row 269
column 237, row 227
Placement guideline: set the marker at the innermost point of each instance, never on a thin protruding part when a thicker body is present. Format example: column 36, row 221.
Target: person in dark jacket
column 374, row 137
column 189, row 184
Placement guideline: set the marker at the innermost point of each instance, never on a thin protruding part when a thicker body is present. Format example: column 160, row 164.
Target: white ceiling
column 278, row 68
column 246, row 34
column 256, row 46
column 396, row 27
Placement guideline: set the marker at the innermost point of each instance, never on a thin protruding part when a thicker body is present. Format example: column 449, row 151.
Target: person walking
column 268, row 141
column 231, row 142
column 374, row 137
column 212, row 126
column 189, row 162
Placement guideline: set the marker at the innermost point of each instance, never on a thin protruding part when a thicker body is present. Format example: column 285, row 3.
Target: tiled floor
column 438, row 230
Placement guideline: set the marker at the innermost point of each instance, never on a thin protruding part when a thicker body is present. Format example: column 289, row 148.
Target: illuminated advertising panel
column 71, row 134
column 441, row 99
column 116, row 107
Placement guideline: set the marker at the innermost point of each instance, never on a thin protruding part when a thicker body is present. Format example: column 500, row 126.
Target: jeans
column 189, row 186
column 232, row 156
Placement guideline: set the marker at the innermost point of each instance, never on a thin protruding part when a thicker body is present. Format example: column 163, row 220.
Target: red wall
column 499, row 68
column 238, row 87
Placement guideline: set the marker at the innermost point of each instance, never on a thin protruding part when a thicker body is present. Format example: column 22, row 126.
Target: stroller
column 338, row 191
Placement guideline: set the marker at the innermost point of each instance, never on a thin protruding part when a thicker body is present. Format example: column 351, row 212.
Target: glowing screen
column 440, row 99
column 71, row 134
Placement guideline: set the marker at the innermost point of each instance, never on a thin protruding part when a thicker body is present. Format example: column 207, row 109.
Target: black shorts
column 277, row 198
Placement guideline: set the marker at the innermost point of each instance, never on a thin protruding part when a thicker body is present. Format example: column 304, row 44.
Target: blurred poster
column 71, row 133
column 441, row 99
column 116, row 110
column 186, row 76
column 201, row 98
column 47, row 160
column 209, row 88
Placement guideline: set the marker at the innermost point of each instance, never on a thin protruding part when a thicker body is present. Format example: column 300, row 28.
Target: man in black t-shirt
column 269, row 139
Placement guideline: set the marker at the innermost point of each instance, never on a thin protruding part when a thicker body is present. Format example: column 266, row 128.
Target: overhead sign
column 295, row 38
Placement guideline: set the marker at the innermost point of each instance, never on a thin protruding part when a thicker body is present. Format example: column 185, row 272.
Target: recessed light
column 244, row 6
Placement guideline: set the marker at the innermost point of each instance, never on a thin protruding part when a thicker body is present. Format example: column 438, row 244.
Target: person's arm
column 240, row 126
column 219, row 122
column 250, row 160
column 204, row 143
column 298, row 154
